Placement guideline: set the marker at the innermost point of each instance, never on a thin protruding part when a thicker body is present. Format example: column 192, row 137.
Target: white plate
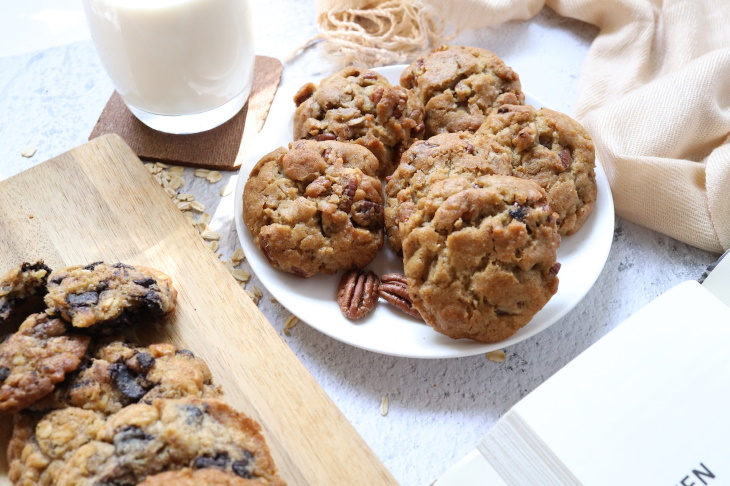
column 386, row 330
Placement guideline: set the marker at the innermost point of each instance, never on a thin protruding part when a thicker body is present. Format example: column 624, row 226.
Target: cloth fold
column 654, row 93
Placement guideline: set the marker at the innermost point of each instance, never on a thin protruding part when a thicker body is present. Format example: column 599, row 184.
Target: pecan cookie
column 362, row 107
column 35, row 358
column 440, row 157
column 459, row 86
column 553, row 150
column 480, row 258
column 315, row 208
column 20, row 284
column 117, row 374
column 142, row 440
column 198, row 477
column 101, row 296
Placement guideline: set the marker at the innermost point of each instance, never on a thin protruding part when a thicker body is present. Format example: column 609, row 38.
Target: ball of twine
column 375, row 32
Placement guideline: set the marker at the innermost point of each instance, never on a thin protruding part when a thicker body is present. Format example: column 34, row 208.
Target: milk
column 174, row 57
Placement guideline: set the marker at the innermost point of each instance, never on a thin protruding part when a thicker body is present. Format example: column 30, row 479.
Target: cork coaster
column 220, row 148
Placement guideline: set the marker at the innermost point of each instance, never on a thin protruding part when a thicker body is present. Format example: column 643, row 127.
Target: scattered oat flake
column 185, row 197
column 201, row 172
column 183, row 205
column 253, row 296
column 291, row 321
column 176, row 182
column 197, row 206
column 214, row 246
column 170, row 192
column 226, row 190
column 210, row 235
column 161, row 165
column 177, row 170
column 238, row 256
column 272, row 299
column 205, row 218
column 384, row 405
column 28, row 152
column 497, row 356
column 214, row 176
column 240, row 275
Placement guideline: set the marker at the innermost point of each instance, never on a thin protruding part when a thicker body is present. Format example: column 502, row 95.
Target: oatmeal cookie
column 440, row 157
column 41, row 444
column 35, row 358
column 142, row 440
column 117, row 374
column 20, row 284
column 198, row 477
column 459, row 86
column 101, row 297
column 360, row 106
column 315, row 208
column 553, row 150
column 480, row 258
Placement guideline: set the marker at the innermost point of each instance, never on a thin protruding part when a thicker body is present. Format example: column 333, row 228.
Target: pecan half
column 394, row 289
column 357, row 293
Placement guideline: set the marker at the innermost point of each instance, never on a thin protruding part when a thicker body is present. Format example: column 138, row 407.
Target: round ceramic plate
column 387, row 330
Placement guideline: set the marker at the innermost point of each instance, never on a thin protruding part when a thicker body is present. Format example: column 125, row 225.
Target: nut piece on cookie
column 20, row 284
column 316, row 207
column 438, row 158
column 102, row 297
column 459, row 86
column 480, row 259
column 360, row 106
column 118, row 374
column 35, row 358
column 142, row 440
column 553, row 150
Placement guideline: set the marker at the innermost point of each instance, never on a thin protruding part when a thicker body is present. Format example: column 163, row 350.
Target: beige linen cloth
column 654, row 93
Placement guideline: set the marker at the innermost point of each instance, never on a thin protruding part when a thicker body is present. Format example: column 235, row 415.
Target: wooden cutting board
column 98, row 202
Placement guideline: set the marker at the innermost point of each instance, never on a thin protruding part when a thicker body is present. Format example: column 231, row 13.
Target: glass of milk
column 181, row 66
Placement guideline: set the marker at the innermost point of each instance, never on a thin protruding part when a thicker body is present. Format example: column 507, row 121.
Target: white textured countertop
column 439, row 409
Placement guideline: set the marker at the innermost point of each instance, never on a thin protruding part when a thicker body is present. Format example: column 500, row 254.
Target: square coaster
column 220, row 148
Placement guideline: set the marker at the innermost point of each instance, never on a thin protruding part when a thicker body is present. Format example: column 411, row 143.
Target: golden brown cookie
column 117, row 374
column 480, row 257
column 553, row 150
column 199, row 477
column 142, row 440
column 360, row 106
column 102, row 297
column 20, row 284
column 35, row 358
column 438, row 158
column 315, row 208
column 459, row 86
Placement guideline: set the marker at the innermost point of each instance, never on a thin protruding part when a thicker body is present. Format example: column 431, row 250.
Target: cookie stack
column 90, row 407
column 479, row 190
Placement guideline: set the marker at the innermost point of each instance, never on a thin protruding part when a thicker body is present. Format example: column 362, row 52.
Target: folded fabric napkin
column 654, row 93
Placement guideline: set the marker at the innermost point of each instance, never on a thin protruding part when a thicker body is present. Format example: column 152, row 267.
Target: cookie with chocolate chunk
column 480, row 257
column 19, row 285
column 117, row 374
column 142, row 440
column 197, row 477
column 315, row 207
column 438, row 158
column 35, row 358
column 553, row 150
column 459, row 86
column 360, row 106
column 102, row 297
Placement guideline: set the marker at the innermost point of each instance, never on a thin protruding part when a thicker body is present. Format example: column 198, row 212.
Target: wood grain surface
column 221, row 148
column 98, row 202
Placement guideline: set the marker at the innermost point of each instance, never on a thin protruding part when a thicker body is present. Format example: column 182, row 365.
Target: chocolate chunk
column 127, row 434
column 220, row 460
column 186, row 352
column 147, row 282
column 92, row 266
column 85, row 299
column 194, row 414
column 145, row 360
column 4, row 373
column 518, row 213
column 126, row 382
